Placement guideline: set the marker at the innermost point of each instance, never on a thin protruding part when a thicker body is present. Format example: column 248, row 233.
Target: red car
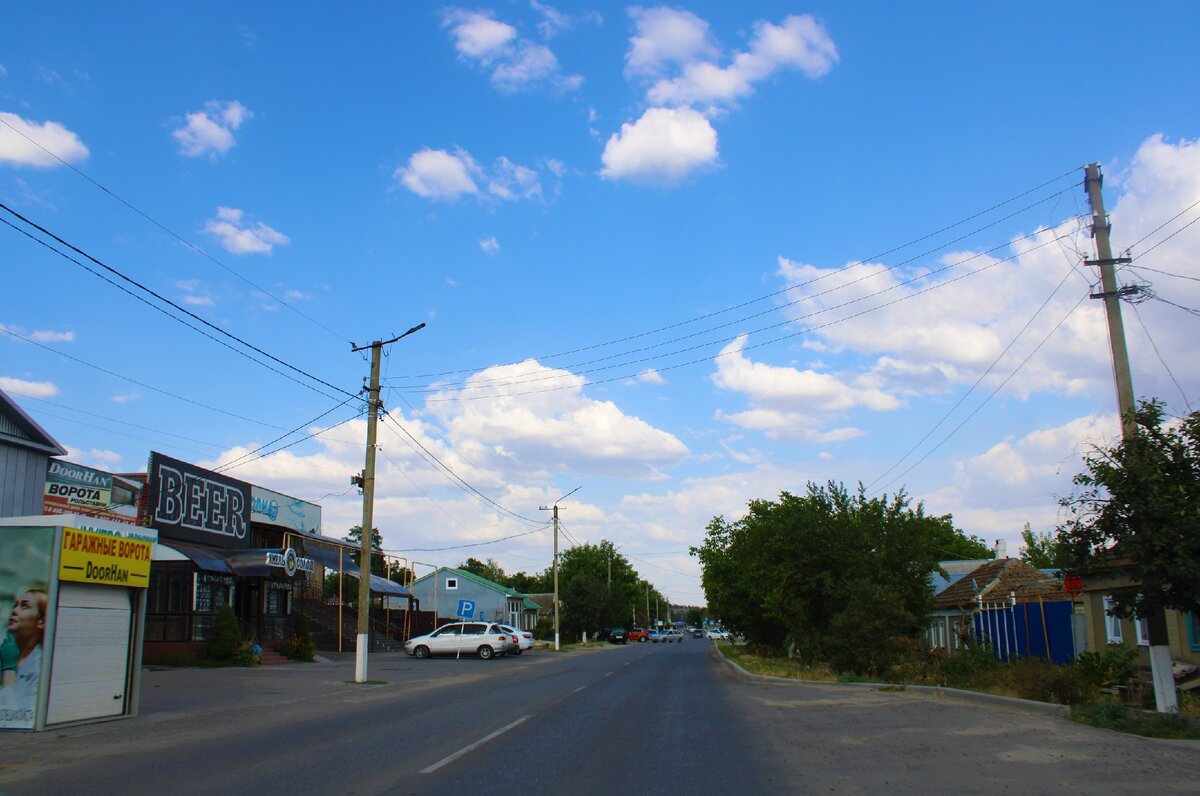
column 637, row 634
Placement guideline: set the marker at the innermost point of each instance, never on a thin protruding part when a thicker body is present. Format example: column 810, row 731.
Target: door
column 90, row 670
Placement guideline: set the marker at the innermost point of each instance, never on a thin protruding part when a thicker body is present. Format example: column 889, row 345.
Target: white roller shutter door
column 90, row 669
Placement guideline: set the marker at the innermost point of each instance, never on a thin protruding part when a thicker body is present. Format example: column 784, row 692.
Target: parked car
column 697, row 633
column 617, row 635
column 718, row 635
column 637, row 634
column 655, row 636
column 672, row 636
column 461, row 638
column 523, row 638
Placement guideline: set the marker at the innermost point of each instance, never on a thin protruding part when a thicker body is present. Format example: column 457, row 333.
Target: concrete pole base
column 360, row 658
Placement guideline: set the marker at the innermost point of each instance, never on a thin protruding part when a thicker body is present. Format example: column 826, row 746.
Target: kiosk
column 72, row 645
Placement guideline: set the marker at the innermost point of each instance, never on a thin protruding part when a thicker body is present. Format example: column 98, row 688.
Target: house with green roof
column 441, row 590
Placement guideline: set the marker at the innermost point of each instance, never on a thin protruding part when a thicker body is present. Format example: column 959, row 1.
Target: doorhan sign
column 289, row 562
column 89, row 557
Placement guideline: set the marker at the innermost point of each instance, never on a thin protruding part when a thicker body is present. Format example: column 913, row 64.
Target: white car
column 461, row 638
column 668, row 636
column 719, row 635
column 523, row 638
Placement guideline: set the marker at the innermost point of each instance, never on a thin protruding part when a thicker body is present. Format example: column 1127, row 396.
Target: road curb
column 970, row 696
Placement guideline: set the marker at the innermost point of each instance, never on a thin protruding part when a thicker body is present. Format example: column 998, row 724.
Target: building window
column 1194, row 631
column 1142, row 630
column 1112, row 624
column 213, row 592
column 169, row 603
column 451, row 584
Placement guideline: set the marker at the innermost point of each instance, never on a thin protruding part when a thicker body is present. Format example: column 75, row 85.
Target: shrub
column 971, row 666
column 300, row 647
column 226, row 639
column 1115, row 666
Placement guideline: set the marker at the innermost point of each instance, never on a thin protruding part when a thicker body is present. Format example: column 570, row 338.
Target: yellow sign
column 89, row 557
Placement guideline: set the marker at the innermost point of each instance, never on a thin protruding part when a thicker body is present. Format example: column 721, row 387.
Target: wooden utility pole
column 367, row 481
column 1165, row 697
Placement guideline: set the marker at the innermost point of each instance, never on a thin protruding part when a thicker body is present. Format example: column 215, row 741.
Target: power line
column 978, row 381
column 1141, row 267
column 135, row 381
column 458, row 480
column 156, row 295
column 816, row 279
column 235, row 462
column 1179, row 306
column 293, row 443
column 992, row 394
column 1173, row 234
column 464, row 546
column 1158, row 354
column 664, row 569
column 118, row 422
column 775, row 340
column 1160, row 226
column 169, row 231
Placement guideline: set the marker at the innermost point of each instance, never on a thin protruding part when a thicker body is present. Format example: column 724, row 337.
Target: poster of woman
column 25, row 556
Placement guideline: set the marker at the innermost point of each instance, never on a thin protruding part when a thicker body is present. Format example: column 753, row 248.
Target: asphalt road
column 636, row 719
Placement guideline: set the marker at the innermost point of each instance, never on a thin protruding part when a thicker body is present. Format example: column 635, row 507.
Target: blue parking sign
column 466, row 608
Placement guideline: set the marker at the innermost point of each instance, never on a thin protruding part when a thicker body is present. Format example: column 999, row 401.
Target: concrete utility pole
column 1165, row 698
column 367, row 481
column 556, row 604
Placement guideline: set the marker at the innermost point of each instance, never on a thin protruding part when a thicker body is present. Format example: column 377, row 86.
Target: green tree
column 784, row 574
column 489, row 569
column 1139, row 502
column 598, row 588
column 531, row 584
column 695, row 616
column 354, row 536
column 1044, row 550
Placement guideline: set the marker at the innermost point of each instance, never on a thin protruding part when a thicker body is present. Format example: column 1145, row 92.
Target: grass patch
column 773, row 667
column 1114, row 716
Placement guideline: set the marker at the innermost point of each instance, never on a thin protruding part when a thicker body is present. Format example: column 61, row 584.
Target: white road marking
column 467, row 749
column 608, row 674
column 580, row 688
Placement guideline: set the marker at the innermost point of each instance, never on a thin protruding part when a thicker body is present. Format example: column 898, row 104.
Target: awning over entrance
column 329, row 558
column 206, row 558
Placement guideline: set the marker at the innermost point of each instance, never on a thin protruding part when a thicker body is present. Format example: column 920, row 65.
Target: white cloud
column 210, row 131
column 666, row 37
column 100, row 459
column 515, row 63
column 651, row 376
column 663, row 147
column 126, row 398
column 442, row 176
column 26, row 143
column 47, row 336
column 945, row 338
column 553, row 21
column 790, row 389
column 800, row 42
column 239, row 238
column 1019, row 480
column 489, row 245
column 525, row 429
column 512, row 181
column 30, row 389
column 437, row 174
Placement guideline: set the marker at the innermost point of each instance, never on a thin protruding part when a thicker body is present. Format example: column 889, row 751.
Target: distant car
column 697, row 633
column 672, row 636
column 718, row 635
column 461, row 638
column 637, row 634
column 655, row 636
column 523, row 638
column 617, row 635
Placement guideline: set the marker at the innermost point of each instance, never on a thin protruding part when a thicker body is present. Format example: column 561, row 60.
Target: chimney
column 1001, row 549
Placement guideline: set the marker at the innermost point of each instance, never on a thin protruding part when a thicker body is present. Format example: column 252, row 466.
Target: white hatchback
column 461, row 638
column 524, row 638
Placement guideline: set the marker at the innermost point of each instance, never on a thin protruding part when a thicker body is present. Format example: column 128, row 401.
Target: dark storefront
column 227, row 542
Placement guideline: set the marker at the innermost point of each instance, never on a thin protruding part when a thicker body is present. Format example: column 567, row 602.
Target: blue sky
column 679, row 257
